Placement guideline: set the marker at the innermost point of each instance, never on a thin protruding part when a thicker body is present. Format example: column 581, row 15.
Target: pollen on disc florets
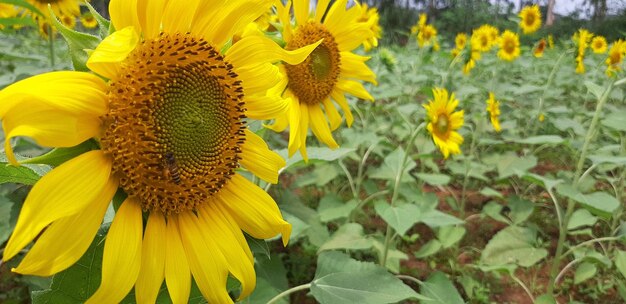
column 314, row 79
column 175, row 123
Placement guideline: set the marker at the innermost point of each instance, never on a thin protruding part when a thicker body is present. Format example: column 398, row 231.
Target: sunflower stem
column 389, row 231
column 546, row 87
column 288, row 292
column 575, row 182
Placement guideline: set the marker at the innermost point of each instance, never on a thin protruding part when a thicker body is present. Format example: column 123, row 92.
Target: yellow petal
column 64, row 191
column 124, row 13
column 207, row 265
column 334, row 17
column 319, row 126
column 107, row 58
column 254, row 49
column 354, row 88
column 303, row 129
column 74, row 92
column 333, row 115
column 47, row 126
column 283, row 13
column 67, row 239
column 178, row 16
column 301, row 11
column 232, row 246
column 259, row 159
column 343, row 103
column 353, row 66
column 121, row 259
column 295, row 117
column 177, row 273
column 259, row 78
column 232, row 18
column 150, row 14
column 322, row 6
column 152, row 268
column 265, row 107
column 253, row 209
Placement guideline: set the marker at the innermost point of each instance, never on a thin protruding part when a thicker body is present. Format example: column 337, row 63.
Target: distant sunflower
column 427, row 36
column 59, row 8
column 7, row 11
column 329, row 72
column 68, row 21
column 493, row 108
column 88, row 20
column 460, row 41
column 615, row 58
column 599, row 45
column 168, row 106
column 443, row 122
column 530, row 19
column 509, row 46
column 484, row 38
column 421, row 22
column 370, row 16
column 582, row 38
column 539, row 48
column 550, row 41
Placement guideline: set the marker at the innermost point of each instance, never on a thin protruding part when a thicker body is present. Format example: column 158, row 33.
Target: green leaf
column 541, row 139
column 332, row 207
column 78, row 43
column 620, row 261
column 58, row 156
column 271, row 280
column 434, row 179
column 257, row 246
column 584, row 271
column 581, row 218
column 315, row 155
column 440, row 290
column 608, row 159
column 513, row 245
column 340, row 279
column 432, row 217
column 400, row 218
column 615, row 120
column 391, row 167
column 510, row 164
column 5, row 218
column 103, row 24
column 431, row 247
column 494, row 210
column 594, row 89
column 521, row 209
column 348, row 236
column 599, row 203
column 545, row 299
column 22, row 175
column 450, row 235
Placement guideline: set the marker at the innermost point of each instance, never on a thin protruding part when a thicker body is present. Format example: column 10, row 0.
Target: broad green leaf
column 332, row 207
column 545, row 299
column 348, row 236
column 58, row 156
column 543, row 181
column 494, row 211
column 271, row 280
column 431, row 247
column 315, row 155
column 581, row 218
column 620, row 261
column 401, row 218
column 615, row 120
column 584, row 271
column 599, row 203
column 513, row 245
column 391, row 166
column 340, row 279
column 510, row 164
column 257, row 246
column 5, row 218
column 434, row 179
column 541, row 139
column 21, row 175
column 594, row 89
column 608, row 159
column 487, row 191
column 394, row 256
column 78, row 43
column 521, row 209
column 440, row 290
column 450, row 235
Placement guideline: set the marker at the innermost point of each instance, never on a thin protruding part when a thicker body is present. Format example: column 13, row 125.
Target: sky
column 566, row 7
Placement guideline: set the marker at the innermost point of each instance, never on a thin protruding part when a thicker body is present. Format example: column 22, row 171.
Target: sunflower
column 59, row 8
column 326, row 75
column 460, row 42
column 615, row 58
column 170, row 120
column 370, row 16
column 68, row 21
column 88, row 20
column 484, row 38
column 582, row 39
column 509, row 46
column 539, row 48
column 493, row 108
column 427, row 36
column 530, row 19
column 599, row 45
column 551, row 41
column 421, row 22
column 7, row 11
column 443, row 122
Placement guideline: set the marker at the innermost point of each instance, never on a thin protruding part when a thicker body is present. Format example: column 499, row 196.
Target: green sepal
column 78, row 43
column 58, row 156
column 103, row 24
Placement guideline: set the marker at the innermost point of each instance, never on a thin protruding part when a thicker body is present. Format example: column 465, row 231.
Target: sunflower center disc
column 442, row 124
column 174, row 126
column 315, row 78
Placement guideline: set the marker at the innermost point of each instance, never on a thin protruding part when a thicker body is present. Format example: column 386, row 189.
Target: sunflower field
column 266, row 151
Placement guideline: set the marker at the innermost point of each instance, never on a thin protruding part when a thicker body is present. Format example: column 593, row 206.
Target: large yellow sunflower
column 509, row 46
column 530, row 19
column 170, row 122
column 326, row 75
column 444, row 121
column 493, row 108
column 370, row 16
